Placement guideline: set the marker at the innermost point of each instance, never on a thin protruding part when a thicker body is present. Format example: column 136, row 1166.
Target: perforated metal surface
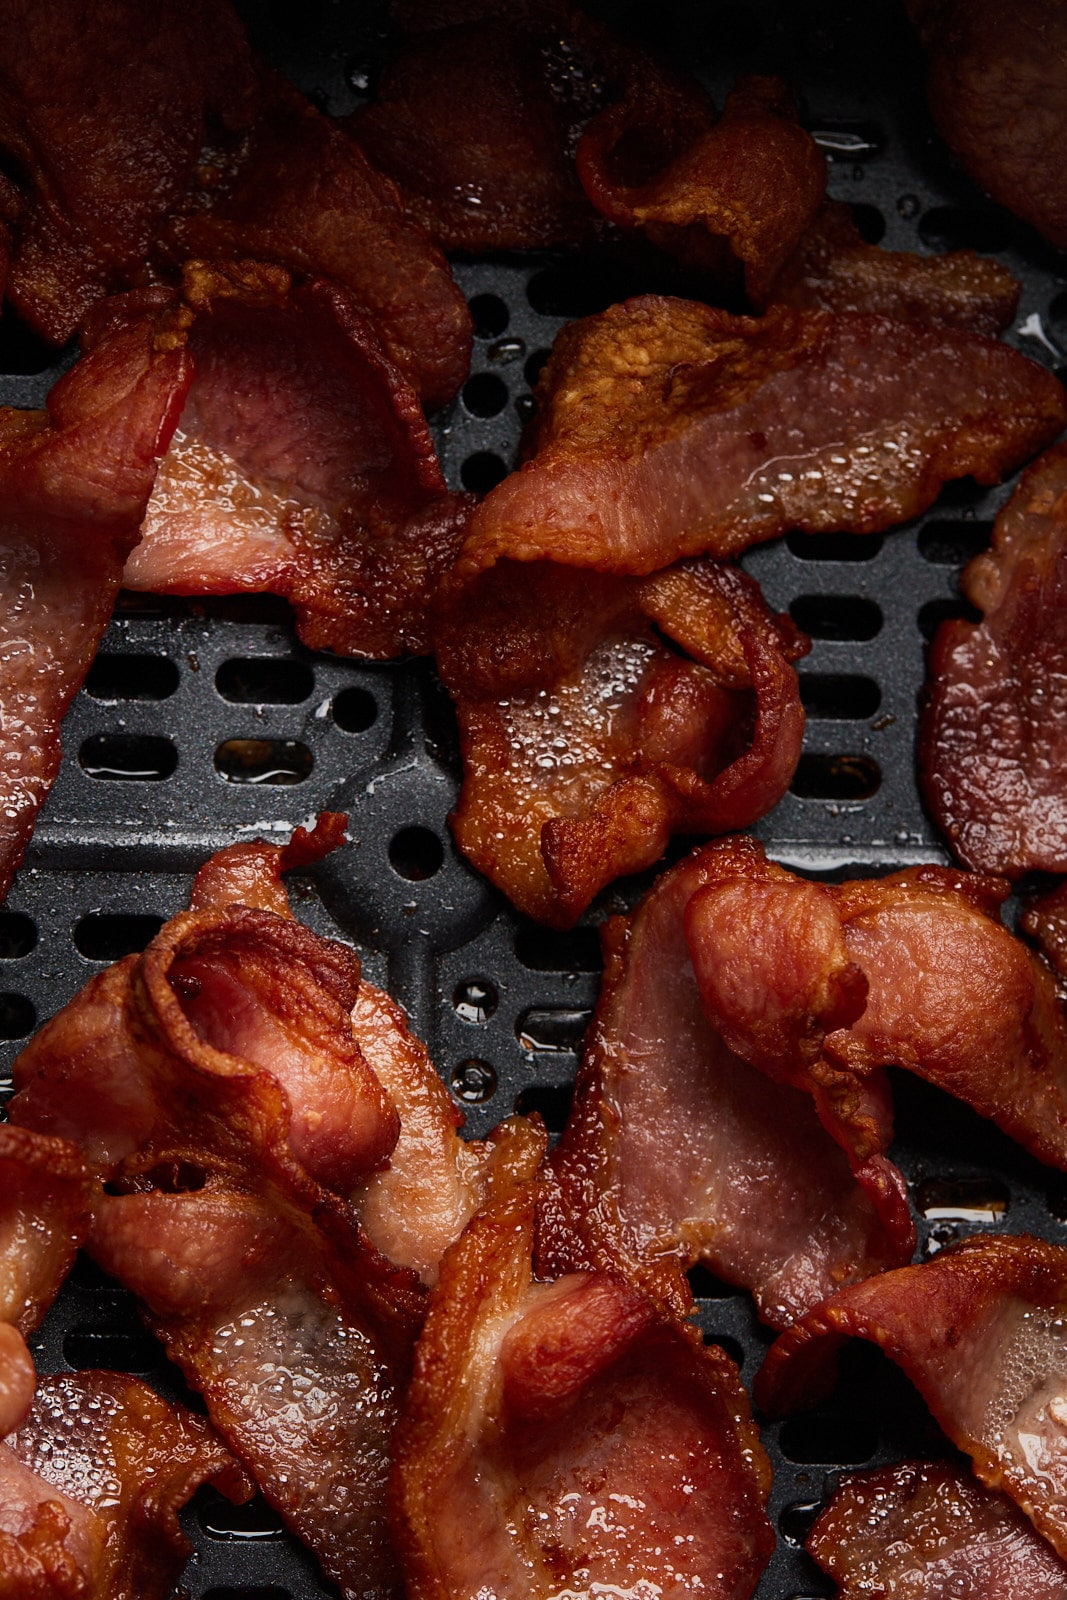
column 206, row 723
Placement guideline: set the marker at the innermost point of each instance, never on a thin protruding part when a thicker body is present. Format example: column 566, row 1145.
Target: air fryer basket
column 203, row 723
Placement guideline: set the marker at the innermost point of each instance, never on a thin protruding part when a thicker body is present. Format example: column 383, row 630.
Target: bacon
column 993, row 734
column 45, row 1195
column 667, row 428
column 91, row 1486
column 980, row 1331
column 924, row 1530
column 562, row 1438
column 103, row 111
column 74, row 482
column 824, row 985
column 677, row 1151
column 321, row 484
column 998, row 93
column 302, row 193
column 600, row 715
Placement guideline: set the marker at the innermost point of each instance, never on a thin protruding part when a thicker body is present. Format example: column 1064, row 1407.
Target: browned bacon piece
column 993, row 735
column 103, row 112
column 998, row 93
column 45, row 1196
column 822, row 986
column 925, row 1530
column 302, row 193
column 980, row 1330
column 91, row 1485
column 302, row 464
column 74, row 483
column 599, row 715
column 677, row 1151
column 667, row 428
column 561, row 1438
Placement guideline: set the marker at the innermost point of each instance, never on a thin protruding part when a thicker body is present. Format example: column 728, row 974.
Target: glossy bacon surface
column 993, row 735
column 74, row 483
column 981, row 1331
column 600, row 715
column 45, row 1196
column 560, row 1438
column 677, row 1151
column 925, row 1530
column 667, row 428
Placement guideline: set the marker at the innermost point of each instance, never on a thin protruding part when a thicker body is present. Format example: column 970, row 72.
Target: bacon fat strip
column 993, row 733
column 677, row 1151
column 667, row 429
column 981, row 1330
column 824, row 985
column 561, row 1437
column 45, row 1198
column 925, row 1530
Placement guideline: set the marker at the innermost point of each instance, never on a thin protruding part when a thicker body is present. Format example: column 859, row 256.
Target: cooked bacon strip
column 320, row 483
column 667, row 428
column 677, row 1151
column 925, row 1530
column 993, row 735
column 45, row 1196
column 600, row 715
column 980, row 1331
column 103, row 112
column 303, row 194
column 560, row 1438
column 998, row 93
column 91, row 1486
column 74, row 482
column 823, row 986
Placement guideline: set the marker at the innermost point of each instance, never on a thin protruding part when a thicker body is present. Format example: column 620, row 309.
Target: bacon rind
column 531, row 1406
column 667, row 429
column 666, row 1155
column 925, row 1529
column 45, row 1197
column 993, row 732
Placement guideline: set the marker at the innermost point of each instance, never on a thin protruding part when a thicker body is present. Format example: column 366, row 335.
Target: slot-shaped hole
column 118, row 1349
column 475, row 1000
column 137, row 677
column 474, row 1082
column 579, row 288
column 965, row 228
column 354, row 710
column 832, row 1441
column 551, row 1102
column 951, row 544
column 729, row 1346
column 246, row 1524
column 264, row 680
column 110, row 935
column 416, row 854
column 482, row 471
column 18, row 935
column 795, row 1521
column 577, row 950
column 849, row 141
column 836, row 616
column 128, row 757
column 272, row 761
column 91, row 1279
column 485, row 395
column 707, row 1286
column 490, row 315
column 935, row 612
column 553, row 1028
column 834, row 546
column 837, row 777
column 984, row 1200
column 839, row 696
column 18, row 1016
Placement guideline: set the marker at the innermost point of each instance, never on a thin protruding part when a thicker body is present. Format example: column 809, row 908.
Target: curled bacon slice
column 825, row 985
column 600, row 715
column 667, row 428
column 45, row 1194
column 562, row 1438
column 993, row 735
column 91, row 1485
column 74, row 483
column 103, row 112
column 319, row 483
column 924, row 1530
column 980, row 1331
column 677, row 1151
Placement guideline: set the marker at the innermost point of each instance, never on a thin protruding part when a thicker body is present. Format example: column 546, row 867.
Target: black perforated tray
column 152, row 783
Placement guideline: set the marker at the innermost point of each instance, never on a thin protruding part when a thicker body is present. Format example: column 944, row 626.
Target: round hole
column 485, row 395
column 795, row 1521
column 535, row 365
column 474, row 1082
column 354, row 710
column 416, row 854
column 18, row 1017
column 869, row 220
column 483, row 471
column 490, row 314
column 475, row 1000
